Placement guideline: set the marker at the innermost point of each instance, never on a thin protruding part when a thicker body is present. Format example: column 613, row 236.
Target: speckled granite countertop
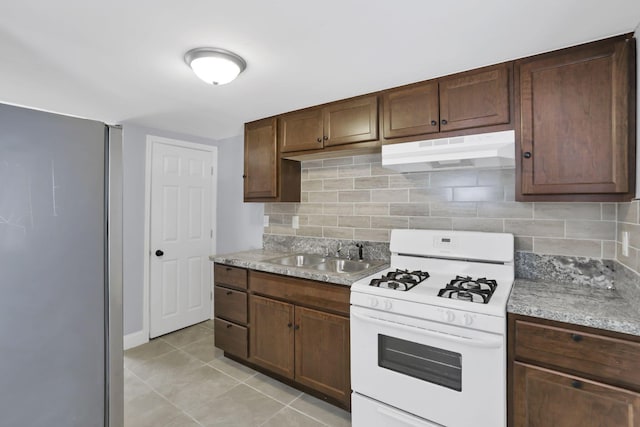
column 255, row 260
column 576, row 304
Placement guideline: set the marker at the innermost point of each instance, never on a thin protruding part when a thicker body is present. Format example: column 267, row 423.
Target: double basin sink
column 322, row 263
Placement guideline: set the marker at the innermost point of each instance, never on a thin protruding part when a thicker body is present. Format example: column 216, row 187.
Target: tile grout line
column 166, row 399
column 286, row 405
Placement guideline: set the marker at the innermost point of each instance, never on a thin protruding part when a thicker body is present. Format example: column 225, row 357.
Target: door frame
column 151, row 141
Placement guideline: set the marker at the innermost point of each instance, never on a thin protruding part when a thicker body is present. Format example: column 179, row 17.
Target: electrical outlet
column 625, row 243
column 295, row 221
column 265, row 220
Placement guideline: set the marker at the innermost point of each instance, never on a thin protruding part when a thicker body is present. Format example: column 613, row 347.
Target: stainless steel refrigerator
column 60, row 271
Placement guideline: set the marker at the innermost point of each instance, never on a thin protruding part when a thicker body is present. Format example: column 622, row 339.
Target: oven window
column 435, row 365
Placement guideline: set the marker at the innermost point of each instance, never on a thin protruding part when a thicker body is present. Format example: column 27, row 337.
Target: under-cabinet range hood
column 488, row 150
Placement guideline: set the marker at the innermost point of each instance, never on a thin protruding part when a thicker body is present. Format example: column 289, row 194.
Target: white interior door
column 180, row 237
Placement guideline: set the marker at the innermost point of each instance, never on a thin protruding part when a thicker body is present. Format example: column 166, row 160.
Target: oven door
column 446, row 374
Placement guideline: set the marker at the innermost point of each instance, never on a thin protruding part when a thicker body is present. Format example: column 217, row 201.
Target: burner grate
column 401, row 280
column 467, row 289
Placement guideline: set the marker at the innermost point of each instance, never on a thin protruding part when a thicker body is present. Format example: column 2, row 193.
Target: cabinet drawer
column 230, row 304
column 230, row 276
column 611, row 360
column 333, row 298
column 231, row 338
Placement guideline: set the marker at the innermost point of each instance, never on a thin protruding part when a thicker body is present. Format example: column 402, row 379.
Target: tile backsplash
column 355, row 198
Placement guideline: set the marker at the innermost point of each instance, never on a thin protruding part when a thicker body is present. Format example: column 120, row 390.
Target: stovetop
column 489, row 285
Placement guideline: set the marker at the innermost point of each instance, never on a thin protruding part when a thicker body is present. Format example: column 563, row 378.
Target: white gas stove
column 428, row 334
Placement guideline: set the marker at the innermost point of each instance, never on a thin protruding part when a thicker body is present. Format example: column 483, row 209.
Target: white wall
column 238, row 225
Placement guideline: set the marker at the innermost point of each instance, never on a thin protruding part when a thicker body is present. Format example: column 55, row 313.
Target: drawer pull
column 228, row 269
column 229, row 325
column 576, row 337
column 229, row 292
column 576, row 384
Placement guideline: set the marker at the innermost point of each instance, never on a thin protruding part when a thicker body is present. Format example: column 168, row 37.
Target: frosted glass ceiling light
column 215, row 66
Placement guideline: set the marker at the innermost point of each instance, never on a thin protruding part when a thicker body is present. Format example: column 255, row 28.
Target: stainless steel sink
column 299, row 260
column 342, row 266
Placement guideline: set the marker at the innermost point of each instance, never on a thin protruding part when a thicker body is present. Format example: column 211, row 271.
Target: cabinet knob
column 229, row 325
column 527, row 154
column 244, row 176
column 434, row 123
column 229, row 293
column 576, row 337
column 319, row 139
column 296, row 327
column 444, row 121
column 576, row 384
column 289, row 325
column 325, row 137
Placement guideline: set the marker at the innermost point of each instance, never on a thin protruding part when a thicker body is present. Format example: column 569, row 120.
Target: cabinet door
column 574, row 130
column 351, row 121
column 544, row 398
column 260, row 159
column 475, row 99
column 411, row 111
column 301, row 131
column 322, row 352
column 271, row 335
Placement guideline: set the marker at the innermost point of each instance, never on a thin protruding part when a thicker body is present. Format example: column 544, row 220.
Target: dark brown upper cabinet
column 576, row 123
column 338, row 123
column 267, row 177
column 474, row 99
column 411, row 111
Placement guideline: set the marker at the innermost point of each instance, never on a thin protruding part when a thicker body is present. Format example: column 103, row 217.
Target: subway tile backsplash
column 355, row 198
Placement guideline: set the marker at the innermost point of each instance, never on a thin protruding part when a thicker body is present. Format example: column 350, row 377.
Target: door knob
column 159, row 252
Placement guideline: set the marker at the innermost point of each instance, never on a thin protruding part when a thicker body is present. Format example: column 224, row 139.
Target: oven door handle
column 431, row 333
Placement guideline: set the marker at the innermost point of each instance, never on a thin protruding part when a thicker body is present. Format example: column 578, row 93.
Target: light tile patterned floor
column 182, row 380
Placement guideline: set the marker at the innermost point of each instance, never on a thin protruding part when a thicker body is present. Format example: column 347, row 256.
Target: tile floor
column 182, row 380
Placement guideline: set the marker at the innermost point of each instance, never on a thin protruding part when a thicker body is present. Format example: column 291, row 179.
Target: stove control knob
column 388, row 305
column 468, row 319
column 373, row 302
column 449, row 316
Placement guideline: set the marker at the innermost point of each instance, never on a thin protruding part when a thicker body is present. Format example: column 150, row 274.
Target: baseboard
column 135, row 339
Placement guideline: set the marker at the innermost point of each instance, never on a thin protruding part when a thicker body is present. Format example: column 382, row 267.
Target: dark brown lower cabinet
column 546, row 398
column 299, row 330
column 271, row 335
column 563, row 375
column 308, row 346
column 322, row 352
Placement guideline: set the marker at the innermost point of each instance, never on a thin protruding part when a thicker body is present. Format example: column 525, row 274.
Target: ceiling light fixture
column 215, row 66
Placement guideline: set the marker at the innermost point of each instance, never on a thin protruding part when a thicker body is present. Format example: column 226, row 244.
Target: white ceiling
column 122, row 61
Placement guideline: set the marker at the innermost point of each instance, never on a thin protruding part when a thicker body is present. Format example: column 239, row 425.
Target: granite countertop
column 256, row 260
column 577, row 304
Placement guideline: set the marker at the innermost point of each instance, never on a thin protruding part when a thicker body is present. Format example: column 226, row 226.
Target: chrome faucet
column 360, row 247
column 339, row 250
